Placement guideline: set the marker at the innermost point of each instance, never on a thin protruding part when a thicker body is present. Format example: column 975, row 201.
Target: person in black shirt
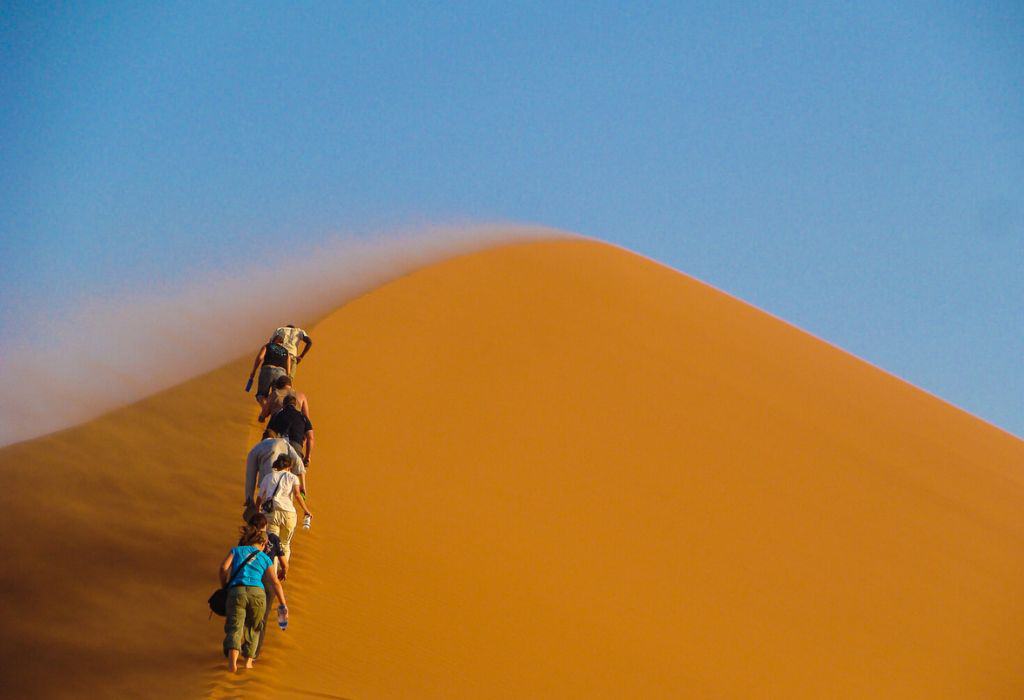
column 290, row 424
column 273, row 361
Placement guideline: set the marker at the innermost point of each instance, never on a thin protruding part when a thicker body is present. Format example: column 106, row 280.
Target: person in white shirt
column 260, row 463
column 292, row 336
column 276, row 492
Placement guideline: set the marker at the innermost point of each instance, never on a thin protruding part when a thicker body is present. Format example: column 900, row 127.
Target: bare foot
column 249, row 662
column 233, row 660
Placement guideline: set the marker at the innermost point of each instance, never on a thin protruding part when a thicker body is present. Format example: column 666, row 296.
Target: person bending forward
column 280, row 390
column 273, row 361
column 291, row 337
column 291, row 424
column 277, row 492
column 246, row 570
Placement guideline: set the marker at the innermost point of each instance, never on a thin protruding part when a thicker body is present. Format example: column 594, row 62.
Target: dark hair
column 282, row 381
column 289, row 400
column 253, row 534
column 258, row 521
column 282, row 462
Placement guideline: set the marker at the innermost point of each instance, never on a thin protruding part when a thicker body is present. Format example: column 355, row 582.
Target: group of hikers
column 275, row 480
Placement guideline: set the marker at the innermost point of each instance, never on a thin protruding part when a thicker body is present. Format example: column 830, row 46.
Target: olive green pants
column 244, row 619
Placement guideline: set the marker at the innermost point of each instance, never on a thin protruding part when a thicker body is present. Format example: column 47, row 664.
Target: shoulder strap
column 239, row 569
column 278, row 487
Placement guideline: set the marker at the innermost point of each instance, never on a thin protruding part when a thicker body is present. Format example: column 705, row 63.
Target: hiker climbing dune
column 272, row 361
column 275, row 479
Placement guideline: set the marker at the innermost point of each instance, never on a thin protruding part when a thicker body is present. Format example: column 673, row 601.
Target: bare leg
column 233, row 660
column 249, row 661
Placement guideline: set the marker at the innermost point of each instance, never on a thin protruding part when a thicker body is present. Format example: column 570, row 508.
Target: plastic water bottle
column 307, row 521
column 282, row 617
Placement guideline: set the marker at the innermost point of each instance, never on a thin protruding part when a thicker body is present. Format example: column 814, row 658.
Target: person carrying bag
column 276, row 493
column 219, row 599
column 244, row 594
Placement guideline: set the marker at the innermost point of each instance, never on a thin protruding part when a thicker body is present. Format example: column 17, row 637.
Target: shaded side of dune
column 113, row 532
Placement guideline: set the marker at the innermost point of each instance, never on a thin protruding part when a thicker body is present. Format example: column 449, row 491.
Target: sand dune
column 545, row 470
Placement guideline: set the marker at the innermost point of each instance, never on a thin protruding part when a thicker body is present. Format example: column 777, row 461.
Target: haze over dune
column 547, row 469
column 109, row 352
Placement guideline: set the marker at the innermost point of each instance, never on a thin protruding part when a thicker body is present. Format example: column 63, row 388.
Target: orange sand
column 546, row 470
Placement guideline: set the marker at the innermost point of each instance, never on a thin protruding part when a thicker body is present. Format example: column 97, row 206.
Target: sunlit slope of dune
column 561, row 470
column 112, row 534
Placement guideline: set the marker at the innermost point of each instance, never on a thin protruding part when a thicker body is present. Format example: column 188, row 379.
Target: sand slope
column 550, row 470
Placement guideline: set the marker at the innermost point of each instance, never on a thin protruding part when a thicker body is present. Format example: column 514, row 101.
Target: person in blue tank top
column 245, row 571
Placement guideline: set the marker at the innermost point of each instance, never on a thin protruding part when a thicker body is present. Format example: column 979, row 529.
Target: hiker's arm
column 257, row 499
column 298, row 463
column 251, row 474
column 297, row 494
column 308, row 344
column 225, row 569
column 309, row 445
column 270, row 580
column 304, row 406
column 259, row 359
column 296, row 457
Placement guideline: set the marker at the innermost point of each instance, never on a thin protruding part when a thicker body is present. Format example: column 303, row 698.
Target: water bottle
column 282, row 617
column 307, row 521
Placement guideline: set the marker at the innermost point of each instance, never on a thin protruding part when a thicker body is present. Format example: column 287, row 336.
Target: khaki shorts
column 282, row 523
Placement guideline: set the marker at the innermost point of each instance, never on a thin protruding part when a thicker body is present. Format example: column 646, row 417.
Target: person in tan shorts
column 276, row 492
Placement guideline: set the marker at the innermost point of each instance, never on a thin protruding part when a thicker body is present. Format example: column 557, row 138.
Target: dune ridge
column 111, row 352
column 547, row 469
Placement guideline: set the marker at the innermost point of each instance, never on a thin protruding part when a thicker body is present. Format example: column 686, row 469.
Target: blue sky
column 854, row 168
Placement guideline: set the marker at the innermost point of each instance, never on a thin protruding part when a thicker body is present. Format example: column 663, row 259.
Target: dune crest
column 550, row 469
column 112, row 352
